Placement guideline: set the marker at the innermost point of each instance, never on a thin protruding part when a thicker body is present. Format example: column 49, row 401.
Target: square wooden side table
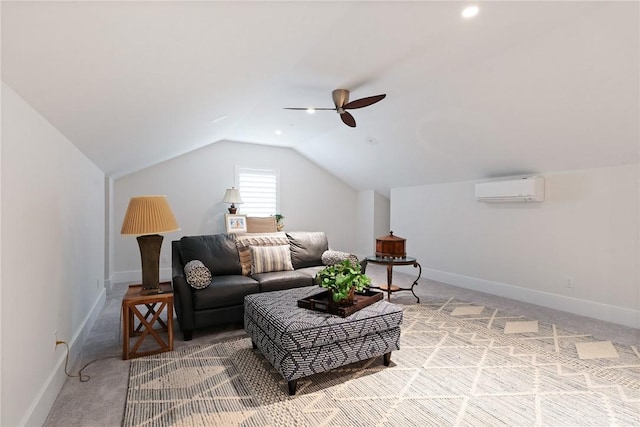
column 155, row 304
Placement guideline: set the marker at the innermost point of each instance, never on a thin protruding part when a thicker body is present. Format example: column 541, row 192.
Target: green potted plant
column 279, row 223
column 343, row 279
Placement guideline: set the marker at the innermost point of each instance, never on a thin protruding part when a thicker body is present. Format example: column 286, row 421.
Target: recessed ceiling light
column 278, row 132
column 311, row 110
column 470, row 11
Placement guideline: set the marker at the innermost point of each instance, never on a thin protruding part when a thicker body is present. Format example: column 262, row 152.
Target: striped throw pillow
column 270, row 258
column 243, row 242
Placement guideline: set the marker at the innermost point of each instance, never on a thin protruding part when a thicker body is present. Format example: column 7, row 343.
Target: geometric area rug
column 459, row 364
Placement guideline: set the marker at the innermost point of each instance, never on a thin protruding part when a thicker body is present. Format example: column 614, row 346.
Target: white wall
column 587, row 229
column 373, row 220
column 52, row 258
column 110, row 228
column 310, row 198
column 382, row 222
column 366, row 219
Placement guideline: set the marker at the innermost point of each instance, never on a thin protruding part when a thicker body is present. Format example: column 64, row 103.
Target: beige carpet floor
column 101, row 401
column 460, row 364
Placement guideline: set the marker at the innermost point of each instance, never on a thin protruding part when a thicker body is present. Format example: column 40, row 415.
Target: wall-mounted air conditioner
column 530, row 189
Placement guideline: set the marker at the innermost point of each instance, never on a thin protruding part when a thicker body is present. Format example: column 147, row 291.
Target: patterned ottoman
column 300, row 342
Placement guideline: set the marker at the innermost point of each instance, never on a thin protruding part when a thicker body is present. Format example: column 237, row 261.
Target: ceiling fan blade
column 348, row 119
column 308, row 108
column 363, row 102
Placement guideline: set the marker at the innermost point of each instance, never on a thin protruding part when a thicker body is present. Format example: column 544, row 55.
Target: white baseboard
column 135, row 276
column 39, row 409
column 608, row 313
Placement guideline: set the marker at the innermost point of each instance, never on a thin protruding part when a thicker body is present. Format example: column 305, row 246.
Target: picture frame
column 235, row 223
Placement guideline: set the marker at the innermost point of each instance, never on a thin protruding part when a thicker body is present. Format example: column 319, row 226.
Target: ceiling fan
column 341, row 101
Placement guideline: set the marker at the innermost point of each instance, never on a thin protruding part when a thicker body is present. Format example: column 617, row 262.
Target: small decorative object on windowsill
column 279, row 223
column 232, row 195
column 391, row 246
column 343, row 280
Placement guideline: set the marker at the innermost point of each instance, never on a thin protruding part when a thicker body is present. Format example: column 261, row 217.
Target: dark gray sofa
column 222, row 302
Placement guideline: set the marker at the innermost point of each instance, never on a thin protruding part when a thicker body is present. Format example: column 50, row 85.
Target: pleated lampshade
column 149, row 215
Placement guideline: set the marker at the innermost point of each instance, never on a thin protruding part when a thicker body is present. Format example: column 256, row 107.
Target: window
column 259, row 191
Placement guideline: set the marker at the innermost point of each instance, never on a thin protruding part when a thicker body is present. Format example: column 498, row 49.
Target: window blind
column 259, row 191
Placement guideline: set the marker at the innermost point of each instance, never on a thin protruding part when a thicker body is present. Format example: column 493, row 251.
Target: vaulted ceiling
column 523, row 87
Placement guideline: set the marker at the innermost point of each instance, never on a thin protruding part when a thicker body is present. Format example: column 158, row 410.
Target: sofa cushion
column 307, row 248
column 278, row 280
column 311, row 271
column 244, row 241
column 217, row 252
column 270, row 258
column 197, row 274
column 226, row 291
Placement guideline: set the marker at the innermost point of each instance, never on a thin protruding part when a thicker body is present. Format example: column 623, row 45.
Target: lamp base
column 232, row 209
column 150, row 256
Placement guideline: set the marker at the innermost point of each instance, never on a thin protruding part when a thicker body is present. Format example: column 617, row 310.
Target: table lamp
column 232, row 196
column 146, row 217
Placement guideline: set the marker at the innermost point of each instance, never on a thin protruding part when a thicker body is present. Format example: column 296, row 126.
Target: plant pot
column 345, row 302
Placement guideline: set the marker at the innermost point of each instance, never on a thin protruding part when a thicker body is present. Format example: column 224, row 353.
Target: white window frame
column 246, row 207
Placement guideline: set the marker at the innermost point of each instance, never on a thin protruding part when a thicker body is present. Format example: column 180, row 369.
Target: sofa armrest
column 182, row 296
column 183, row 303
column 177, row 266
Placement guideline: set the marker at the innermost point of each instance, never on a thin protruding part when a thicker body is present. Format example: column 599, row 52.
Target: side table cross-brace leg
column 145, row 328
column 392, row 288
column 151, row 310
column 148, row 327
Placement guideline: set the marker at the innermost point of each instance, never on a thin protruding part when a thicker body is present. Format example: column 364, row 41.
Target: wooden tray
column 320, row 302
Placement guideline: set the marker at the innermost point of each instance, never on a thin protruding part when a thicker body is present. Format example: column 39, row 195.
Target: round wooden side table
column 390, row 263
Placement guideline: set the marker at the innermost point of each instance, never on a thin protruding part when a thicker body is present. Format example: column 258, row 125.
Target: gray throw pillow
column 335, row 257
column 197, row 274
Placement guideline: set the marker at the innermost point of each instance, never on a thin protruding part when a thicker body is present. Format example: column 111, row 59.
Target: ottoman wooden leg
column 292, row 387
column 386, row 358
